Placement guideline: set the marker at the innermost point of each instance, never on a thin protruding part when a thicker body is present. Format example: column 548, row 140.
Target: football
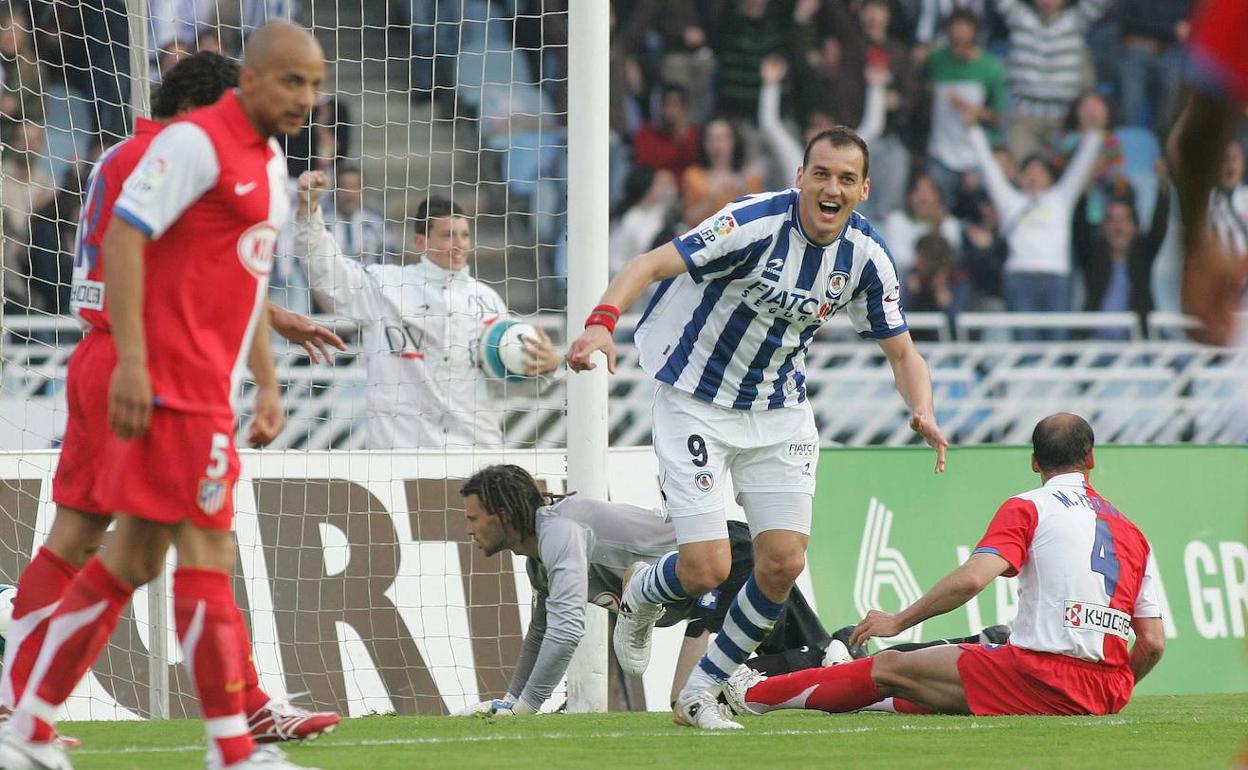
column 8, row 594
column 501, row 350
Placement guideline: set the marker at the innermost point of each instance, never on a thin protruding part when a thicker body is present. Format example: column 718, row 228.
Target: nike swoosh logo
column 243, row 189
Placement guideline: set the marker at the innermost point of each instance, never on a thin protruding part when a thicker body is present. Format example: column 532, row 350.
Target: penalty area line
column 566, row 736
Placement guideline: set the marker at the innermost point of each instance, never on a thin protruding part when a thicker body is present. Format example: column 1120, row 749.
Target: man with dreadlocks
column 580, row 550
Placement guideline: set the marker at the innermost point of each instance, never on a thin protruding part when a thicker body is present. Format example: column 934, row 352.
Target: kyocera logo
column 255, row 248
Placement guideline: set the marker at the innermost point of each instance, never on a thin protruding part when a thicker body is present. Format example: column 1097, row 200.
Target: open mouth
column 829, row 209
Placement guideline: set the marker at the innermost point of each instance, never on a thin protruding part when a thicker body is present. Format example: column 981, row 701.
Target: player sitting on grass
column 1085, row 582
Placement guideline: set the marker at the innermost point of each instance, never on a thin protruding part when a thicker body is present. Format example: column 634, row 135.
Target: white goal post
column 465, row 100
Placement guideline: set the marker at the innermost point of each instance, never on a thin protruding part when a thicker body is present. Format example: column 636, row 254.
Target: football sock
column 847, row 687
column 750, row 618
column 254, row 698
column 208, row 621
column 39, row 589
column 76, row 633
column 656, row 583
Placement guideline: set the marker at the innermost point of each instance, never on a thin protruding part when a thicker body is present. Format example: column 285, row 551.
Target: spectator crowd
column 1015, row 145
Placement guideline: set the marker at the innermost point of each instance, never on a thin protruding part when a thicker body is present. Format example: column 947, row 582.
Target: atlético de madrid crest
column 211, row 495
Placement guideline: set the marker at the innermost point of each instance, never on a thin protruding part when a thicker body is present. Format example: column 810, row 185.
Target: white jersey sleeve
column 179, row 167
column 1146, row 602
column 721, row 243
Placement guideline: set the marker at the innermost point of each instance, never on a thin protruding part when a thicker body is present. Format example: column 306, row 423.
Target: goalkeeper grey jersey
column 584, row 548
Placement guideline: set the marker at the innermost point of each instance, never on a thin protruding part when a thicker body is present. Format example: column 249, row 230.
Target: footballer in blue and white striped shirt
column 739, row 299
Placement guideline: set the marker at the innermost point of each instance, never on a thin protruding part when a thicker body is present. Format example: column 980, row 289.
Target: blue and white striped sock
column 656, row 584
column 750, row 619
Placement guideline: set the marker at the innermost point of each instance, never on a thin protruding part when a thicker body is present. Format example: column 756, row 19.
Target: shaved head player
column 187, row 260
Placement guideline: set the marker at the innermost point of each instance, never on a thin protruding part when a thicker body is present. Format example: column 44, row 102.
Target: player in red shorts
column 189, row 251
column 1213, row 278
column 1085, row 581
column 81, row 520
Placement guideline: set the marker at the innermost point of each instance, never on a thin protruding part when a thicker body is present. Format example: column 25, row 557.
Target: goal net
column 356, row 575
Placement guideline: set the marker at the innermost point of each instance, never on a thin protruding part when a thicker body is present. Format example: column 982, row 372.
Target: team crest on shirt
column 836, row 284
column 255, row 248
column 211, row 495
column 704, row 480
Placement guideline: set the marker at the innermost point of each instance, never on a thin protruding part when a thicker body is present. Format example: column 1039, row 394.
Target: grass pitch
column 1159, row 731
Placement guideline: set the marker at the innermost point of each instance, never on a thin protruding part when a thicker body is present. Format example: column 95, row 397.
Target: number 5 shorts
column 770, row 454
column 169, row 474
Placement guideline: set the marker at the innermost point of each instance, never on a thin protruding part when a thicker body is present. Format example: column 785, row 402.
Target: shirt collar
column 795, row 208
column 438, row 273
column 237, row 120
column 147, row 126
column 1075, row 479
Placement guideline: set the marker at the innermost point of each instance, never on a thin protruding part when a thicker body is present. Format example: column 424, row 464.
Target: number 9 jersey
column 1084, row 570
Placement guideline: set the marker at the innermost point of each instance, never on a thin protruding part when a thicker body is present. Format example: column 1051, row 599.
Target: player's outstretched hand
column 876, row 623
column 1213, row 284
column 129, row 399
column 541, row 354
column 312, row 185
column 269, row 418
column 593, row 339
column 302, row 330
column 925, row 425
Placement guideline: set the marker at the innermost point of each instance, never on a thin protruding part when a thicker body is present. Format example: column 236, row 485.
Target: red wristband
column 604, row 315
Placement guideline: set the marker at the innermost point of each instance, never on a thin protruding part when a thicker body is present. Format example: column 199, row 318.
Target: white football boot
column 736, row 687
column 634, row 628
column 703, row 711
column 17, row 753
column 265, row 757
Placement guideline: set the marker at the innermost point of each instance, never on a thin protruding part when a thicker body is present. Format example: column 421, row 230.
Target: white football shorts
column 767, row 451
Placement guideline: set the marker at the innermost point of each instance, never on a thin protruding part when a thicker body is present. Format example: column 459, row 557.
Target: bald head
column 1062, row 442
column 276, row 41
column 283, row 70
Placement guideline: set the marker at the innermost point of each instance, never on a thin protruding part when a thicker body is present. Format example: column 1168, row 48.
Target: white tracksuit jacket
column 420, row 325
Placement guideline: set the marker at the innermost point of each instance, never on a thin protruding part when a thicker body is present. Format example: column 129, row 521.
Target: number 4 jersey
column 1083, row 570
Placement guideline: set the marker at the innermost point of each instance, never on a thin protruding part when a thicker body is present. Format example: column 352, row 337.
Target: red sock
column 76, row 633
column 40, row 587
column 254, row 698
column 206, row 616
column 847, row 687
column 903, row 706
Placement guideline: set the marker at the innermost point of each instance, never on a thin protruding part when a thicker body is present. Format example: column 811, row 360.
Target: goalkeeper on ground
column 583, row 550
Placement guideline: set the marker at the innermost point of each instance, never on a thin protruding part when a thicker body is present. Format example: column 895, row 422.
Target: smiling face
column 832, row 182
column 448, row 244
column 485, row 529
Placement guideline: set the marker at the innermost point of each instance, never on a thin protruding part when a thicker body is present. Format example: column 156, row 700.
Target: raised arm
column 1003, row 194
column 344, row 281
column 786, row 150
column 951, row 592
column 1077, row 173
